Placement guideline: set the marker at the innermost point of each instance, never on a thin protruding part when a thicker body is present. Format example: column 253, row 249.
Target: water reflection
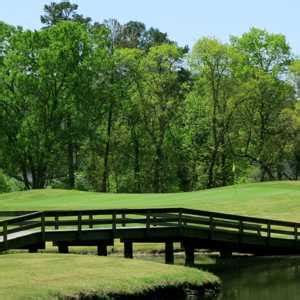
column 260, row 279
column 253, row 278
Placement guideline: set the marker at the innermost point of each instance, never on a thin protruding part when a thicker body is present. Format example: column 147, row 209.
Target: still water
column 260, row 279
column 253, row 278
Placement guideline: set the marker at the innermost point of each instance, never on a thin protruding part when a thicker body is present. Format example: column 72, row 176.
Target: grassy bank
column 271, row 199
column 52, row 276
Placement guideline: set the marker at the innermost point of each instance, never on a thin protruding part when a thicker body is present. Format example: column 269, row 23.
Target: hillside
column 279, row 200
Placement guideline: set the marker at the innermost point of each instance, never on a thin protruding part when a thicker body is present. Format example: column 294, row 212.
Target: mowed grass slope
column 280, row 200
column 56, row 276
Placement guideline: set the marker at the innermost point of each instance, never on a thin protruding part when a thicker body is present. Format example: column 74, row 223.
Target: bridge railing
column 242, row 224
column 112, row 218
column 21, row 225
column 146, row 218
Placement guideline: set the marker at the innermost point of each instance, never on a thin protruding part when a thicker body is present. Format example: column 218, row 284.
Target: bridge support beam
column 169, row 253
column 128, row 249
column 189, row 255
column 102, row 250
column 33, row 249
column 226, row 253
column 63, row 248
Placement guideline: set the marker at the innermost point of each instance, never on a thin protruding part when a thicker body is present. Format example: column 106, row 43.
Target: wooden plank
column 16, row 220
column 23, row 228
column 109, row 211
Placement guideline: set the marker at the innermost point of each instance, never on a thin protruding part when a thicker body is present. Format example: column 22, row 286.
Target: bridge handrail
column 239, row 217
column 145, row 210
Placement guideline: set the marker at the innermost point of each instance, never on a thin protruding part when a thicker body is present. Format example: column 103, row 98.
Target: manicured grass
column 54, row 276
column 279, row 200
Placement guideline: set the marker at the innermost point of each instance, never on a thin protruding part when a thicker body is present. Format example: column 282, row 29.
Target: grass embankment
column 279, row 200
column 53, row 276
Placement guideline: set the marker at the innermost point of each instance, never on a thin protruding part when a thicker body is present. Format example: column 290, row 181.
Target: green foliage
column 8, row 184
column 122, row 108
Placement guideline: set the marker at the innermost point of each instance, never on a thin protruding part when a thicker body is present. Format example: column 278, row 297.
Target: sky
column 184, row 20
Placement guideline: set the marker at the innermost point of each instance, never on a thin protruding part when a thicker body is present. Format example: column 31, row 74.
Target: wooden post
column 169, row 253
column 189, row 255
column 79, row 222
column 180, row 218
column 226, row 253
column 63, row 248
column 114, row 222
column 33, row 249
column 102, row 250
column 90, row 221
column 241, row 227
column 43, row 229
column 148, row 220
column 56, row 226
column 211, row 226
column 128, row 249
column 241, row 231
column 5, row 233
column 123, row 220
column 269, row 230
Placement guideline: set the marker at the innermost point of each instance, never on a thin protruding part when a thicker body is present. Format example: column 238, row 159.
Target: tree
column 132, row 34
column 40, row 76
column 266, row 59
column 62, row 11
column 161, row 93
column 215, row 67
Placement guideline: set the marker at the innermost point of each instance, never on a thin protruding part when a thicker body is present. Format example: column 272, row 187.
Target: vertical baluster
column 269, row 230
column 123, row 220
column 180, row 218
column 56, row 226
column 90, row 221
column 5, row 233
column 211, row 226
column 79, row 221
column 114, row 222
column 43, row 228
column 241, row 227
column 148, row 220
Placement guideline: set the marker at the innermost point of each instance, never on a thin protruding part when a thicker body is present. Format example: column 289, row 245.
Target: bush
column 9, row 184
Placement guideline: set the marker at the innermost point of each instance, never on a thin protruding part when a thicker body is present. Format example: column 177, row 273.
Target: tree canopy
column 117, row 107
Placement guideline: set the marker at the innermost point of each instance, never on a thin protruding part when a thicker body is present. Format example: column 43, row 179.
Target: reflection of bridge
column 194, row 229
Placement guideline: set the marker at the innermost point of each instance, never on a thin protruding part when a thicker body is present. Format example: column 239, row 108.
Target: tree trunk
column 107, row 151
column 211, row 179
column 137, row 183
column 71, row 167
column 157, row 169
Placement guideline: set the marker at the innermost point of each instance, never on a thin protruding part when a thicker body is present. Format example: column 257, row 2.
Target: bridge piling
column 169, row 253
column 226, row 253
column 128, row 249
column 189, row 255
column 63, row 248
column 101, row 250
column 33, row 249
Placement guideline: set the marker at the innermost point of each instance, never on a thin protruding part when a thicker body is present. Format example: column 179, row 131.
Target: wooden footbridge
column 194, row 229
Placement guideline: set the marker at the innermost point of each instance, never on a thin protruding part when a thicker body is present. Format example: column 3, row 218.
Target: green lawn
column 54, row 276
column 279, row 200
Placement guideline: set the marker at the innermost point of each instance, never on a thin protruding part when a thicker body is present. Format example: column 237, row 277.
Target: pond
column 260, row 278
column 252, row 278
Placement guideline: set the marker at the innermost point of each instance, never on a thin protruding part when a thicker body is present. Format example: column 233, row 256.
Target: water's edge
column 181, row 292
